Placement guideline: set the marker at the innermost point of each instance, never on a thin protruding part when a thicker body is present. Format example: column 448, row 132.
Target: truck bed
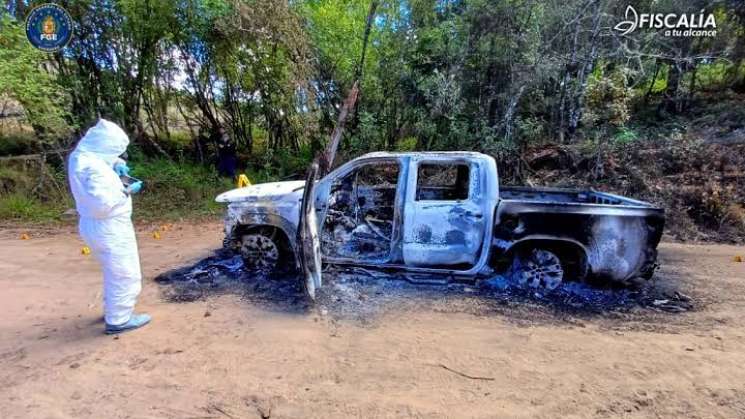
column 617, row 236
column 566, row 196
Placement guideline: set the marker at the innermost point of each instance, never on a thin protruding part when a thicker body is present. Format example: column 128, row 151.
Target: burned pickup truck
column 443, row 213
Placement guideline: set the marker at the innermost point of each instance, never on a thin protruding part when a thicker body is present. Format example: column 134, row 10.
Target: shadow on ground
column 363, row 294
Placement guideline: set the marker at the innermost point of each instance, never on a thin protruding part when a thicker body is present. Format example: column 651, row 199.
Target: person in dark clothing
column 227, row 160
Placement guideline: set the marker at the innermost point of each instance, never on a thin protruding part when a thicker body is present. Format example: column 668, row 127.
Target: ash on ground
column 222, row 273
column 363, row 294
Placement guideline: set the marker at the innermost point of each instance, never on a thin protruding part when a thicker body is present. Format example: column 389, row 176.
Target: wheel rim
column 259, row 252
column 541, row 269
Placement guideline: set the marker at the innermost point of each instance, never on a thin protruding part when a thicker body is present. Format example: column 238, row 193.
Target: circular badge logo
column 49, row 27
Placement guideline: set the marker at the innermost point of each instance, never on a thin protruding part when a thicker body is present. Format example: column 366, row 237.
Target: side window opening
column 359, row 221
column 443, row 182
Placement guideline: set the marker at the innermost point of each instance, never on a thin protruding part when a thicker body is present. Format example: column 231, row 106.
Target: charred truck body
column 444, row 212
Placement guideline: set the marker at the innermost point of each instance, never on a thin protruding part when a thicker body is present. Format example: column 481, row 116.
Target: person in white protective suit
column 105, row 208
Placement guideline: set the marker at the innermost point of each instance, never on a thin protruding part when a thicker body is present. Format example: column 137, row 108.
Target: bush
column 172, row 190
column 272, row 166
column 179, row 144
column 625, row 135
column 13, row 180
column 177, row 189
column 18, row 144
column 712, row 76
column 406, row 144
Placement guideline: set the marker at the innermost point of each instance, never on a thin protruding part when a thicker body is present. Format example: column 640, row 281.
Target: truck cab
column 423, row 211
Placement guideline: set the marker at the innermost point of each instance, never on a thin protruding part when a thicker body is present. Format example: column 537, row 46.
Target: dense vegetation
column 527, row 81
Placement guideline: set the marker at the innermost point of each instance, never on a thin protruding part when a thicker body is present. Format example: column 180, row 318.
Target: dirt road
column 229, row 357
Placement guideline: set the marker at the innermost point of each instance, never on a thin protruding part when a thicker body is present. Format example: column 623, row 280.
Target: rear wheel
column 538, row 268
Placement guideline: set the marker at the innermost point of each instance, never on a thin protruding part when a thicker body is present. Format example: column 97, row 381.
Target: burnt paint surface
column 447, row 215
column 619, row 244
column 617, row 235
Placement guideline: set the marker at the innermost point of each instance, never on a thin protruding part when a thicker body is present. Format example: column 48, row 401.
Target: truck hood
column 273, row 191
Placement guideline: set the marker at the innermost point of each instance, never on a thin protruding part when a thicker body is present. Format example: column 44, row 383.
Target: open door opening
column 360, row 219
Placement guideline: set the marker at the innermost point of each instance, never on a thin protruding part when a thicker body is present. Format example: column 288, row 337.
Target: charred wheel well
column 277, row 234
column 572, row 256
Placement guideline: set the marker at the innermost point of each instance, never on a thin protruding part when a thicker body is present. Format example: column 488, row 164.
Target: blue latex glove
column 134, row 188
column 121, row 169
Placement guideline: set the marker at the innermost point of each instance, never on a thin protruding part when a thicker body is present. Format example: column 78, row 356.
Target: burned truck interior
column 360, row 215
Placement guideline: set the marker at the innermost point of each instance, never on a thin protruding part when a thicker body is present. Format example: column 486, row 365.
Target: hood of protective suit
column 105, row 139
column 98, row 190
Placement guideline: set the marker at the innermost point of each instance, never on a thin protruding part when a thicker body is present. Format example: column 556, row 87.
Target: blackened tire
column 538, row 268
column 260, row 252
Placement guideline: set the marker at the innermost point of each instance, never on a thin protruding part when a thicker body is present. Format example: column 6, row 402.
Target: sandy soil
column 228, row 357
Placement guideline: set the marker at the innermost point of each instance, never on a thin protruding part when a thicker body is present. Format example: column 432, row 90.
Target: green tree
column 24, row 77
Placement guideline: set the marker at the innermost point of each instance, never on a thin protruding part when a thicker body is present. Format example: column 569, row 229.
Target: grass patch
column 172, row 190
column 22, row 208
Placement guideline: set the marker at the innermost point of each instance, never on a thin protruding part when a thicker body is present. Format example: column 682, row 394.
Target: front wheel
column 260, row 252
column 538, row 268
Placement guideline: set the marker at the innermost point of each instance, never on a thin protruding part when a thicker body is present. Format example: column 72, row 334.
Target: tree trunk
column 577, row 104
column 326, row 161
column 651, row 84
column 692, row 88
column 672, row 94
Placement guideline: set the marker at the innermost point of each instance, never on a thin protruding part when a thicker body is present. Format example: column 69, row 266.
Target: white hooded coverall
column 105, row 216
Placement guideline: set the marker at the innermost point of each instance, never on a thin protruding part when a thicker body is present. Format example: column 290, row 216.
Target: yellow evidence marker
column 85, row 250
column 243, row 181
column 156, row 235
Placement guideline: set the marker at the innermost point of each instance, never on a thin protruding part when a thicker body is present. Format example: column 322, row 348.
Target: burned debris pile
column 224, row 272
column 358, row 293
